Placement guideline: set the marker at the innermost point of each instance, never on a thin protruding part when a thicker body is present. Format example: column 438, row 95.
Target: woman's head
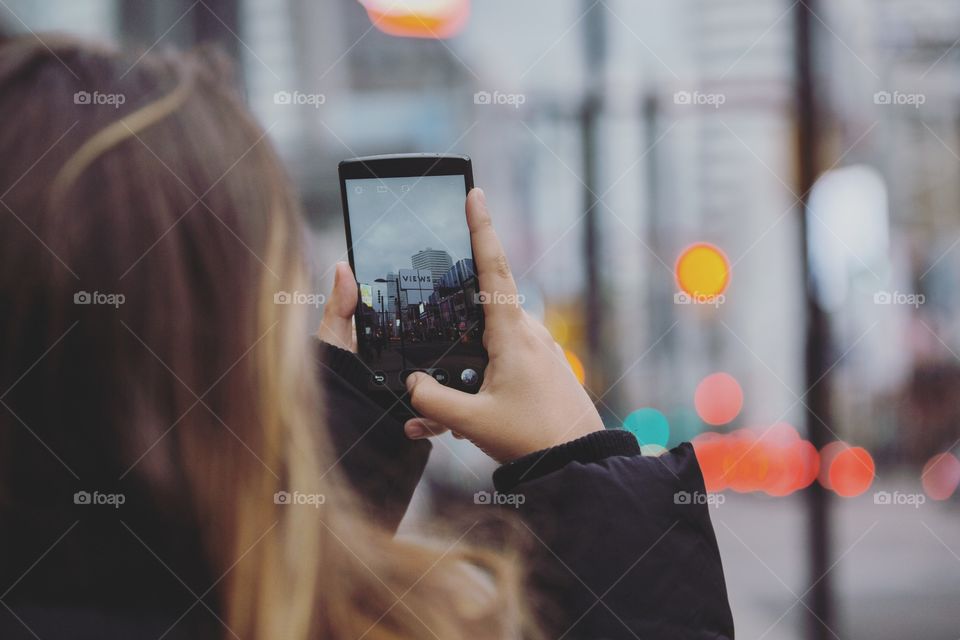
column 146, row 226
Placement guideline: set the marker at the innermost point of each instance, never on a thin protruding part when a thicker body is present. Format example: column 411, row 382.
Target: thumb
column 336, row 327
column 444, row 405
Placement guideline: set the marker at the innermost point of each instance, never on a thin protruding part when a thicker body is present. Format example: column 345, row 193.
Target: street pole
column 594, row 42
column 383, row 315
column 403, row 350
column 820, row 620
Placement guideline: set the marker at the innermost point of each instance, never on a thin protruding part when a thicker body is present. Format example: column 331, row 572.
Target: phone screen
column 418, row 307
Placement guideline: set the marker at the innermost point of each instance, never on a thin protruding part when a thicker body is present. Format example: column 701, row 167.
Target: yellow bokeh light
column 418, row 18
column 576, row 365
column 703, row 270
column 557, row 326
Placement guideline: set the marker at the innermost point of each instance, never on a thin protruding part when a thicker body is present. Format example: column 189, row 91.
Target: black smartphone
column 419, row 307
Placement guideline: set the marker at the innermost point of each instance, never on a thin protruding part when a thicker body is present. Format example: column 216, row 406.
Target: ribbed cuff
column 344, row 363
column 350, row 368
column 590, row 448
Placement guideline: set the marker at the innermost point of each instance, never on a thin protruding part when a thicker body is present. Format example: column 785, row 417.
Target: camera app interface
column 419, row 308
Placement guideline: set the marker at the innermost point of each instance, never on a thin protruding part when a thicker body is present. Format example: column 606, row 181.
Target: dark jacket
column 619, row 548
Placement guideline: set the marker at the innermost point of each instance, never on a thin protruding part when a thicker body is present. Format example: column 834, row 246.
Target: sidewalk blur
column 897, row 569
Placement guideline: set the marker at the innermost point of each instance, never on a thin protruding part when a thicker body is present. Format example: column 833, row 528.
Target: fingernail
column 414, row 430
column 481, row 194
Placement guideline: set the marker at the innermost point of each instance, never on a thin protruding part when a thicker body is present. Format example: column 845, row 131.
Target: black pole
column 588, row 118
column 403, row 349
column 383, row 316
column 218, row 21
column 817, row 338
column 595, row 56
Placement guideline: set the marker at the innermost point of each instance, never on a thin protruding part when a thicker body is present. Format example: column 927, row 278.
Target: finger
column 336, row 327
column 439, row 403
column 417, row 428
column 493, row 270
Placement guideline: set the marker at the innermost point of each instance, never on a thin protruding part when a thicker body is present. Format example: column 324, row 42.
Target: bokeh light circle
column 852, row 472
column 418, row 18
column 710, row 449
column 774, row 460
column 652, row 450
column 787, row 461
column 703, row 270
column 576, row 365
column 685, row 425
column 718, row 398
column 649, row 426
column 941, row 476
column 827, row 455
column 746, row 463
column 557, row 326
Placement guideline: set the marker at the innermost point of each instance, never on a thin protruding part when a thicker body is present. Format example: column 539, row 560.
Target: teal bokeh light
column 685, row 425
column 649, row 426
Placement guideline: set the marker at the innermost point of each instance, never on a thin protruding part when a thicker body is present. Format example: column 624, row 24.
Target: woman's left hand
column 336, row 326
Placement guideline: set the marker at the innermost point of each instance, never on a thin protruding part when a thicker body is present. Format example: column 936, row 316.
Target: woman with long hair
column 159, row 409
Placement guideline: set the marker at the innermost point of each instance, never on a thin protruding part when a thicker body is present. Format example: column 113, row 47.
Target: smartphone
column 409, row 248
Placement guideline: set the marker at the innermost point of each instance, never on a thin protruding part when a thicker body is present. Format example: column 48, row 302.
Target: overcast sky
column 389, row 225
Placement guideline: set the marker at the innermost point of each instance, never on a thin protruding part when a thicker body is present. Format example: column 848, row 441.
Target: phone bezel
column 414, row 165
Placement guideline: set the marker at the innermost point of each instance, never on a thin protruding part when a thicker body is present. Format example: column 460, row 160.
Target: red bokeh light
column 851, row 472
column 775, row 460
column 718, row 398
column 941, row 476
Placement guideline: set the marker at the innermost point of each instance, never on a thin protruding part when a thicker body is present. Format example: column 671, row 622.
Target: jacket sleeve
column 623, row 546
column 370, row 448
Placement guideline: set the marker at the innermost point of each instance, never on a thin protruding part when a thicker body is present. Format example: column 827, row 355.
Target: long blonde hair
column 146, row 178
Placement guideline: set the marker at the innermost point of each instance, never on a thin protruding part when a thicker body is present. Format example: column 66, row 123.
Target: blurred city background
column 740, row 218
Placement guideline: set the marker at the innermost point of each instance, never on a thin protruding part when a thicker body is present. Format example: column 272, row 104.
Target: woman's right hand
column 530, row 399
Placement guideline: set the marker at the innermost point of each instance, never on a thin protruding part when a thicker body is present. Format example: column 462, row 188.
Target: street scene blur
column 740, row 220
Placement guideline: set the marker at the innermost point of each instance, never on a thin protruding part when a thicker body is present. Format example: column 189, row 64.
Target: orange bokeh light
column 710, row 448
column 438, row 19
column 796, row 460
column 851, row 472
column 747, row 462
column 718, row 398
column 941, row 476
column 776, row 460
column 703, row 270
